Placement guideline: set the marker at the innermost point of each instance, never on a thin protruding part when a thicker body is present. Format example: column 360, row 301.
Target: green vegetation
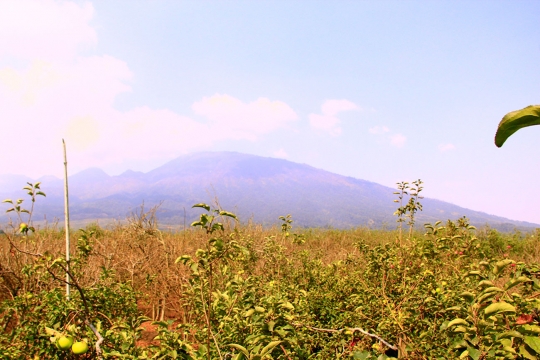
column 222, row 290
column 515, row 120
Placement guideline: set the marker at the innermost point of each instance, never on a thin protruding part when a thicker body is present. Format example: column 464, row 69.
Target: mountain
column 255, row 188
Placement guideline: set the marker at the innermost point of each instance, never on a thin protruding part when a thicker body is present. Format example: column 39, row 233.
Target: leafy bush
column 239, row 292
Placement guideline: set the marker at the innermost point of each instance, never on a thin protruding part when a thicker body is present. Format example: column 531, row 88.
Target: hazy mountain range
column 255, row 188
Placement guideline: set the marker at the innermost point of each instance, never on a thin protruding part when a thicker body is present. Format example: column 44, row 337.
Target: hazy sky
column 384, row 91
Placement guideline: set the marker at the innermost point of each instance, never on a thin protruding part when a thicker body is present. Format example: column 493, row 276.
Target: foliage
column 242, row 292
column 496, row 318
column 515, row 120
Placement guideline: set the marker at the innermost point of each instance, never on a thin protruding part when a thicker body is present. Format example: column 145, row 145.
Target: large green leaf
column 515, row 120
column 500, row 307
column 534, row 343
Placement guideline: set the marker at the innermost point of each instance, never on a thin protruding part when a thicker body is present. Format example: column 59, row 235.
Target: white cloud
column 77, row 86
column 333, row 107
column 281, row 153
column 239, row 120
column 45, row 29
column 54, row 91
column 398, row 140
column 145, row 133
column 328, row 121
column 379, row 130
column 446, row 147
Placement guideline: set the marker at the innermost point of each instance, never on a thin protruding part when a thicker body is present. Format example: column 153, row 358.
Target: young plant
column 286, row 228
column 33, row 190
column 208, row 262
column 412, row 206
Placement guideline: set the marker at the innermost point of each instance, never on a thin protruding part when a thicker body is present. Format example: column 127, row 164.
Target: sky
column 385, row 91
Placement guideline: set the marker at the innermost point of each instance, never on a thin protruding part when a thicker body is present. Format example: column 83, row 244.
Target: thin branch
column 350, row 329
column 99, row 352
column 12, row 244
column 285, row 352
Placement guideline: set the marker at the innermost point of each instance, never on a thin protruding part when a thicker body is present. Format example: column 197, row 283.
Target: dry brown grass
column 143, row 256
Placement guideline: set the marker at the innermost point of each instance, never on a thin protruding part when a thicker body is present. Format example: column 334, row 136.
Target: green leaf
column 491, row 289
column 268, row 348
column 240, row 348
column 8, row 201
column 202, row 205
column 228, row 214
column 509, row 349
column 534, row 343
column 287, row 305
column 509, row 334
column 457, row 321
column 53, row 332
column 513, row 282
column 524, row 352
column 361, row 355
column 474, row 353
column 485, row 283
column 217, row 226
column 501, row 265
column 474, row 272
column 497, row 308
column 161, row 323
column 515, row 120
column 467, row 295
column 41, row 193
column 194, row 268
column 183, row 259
column 459, row 344
column 531, row 329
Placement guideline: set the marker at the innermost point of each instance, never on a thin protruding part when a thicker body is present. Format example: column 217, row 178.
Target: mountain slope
column 257, row 188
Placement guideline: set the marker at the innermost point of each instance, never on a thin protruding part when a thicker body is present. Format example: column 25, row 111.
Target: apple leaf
column 202, row 205
column 515, row 120
column 226, row 213
column 500, row 307
column 534, row 343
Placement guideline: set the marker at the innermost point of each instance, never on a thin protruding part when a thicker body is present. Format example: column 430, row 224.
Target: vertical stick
column 66, row 212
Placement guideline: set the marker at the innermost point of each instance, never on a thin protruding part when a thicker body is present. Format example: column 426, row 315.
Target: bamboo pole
column 66, row 212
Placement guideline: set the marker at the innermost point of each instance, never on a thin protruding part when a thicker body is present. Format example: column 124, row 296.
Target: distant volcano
column 255, row 188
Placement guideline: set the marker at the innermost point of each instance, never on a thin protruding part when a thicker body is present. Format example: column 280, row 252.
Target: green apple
column 79, row 348
column 65, row 342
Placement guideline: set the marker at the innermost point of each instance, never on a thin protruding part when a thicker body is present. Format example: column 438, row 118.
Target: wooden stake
column 66, row 212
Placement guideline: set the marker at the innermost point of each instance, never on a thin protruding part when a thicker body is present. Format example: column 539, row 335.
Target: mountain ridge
column 257, row 188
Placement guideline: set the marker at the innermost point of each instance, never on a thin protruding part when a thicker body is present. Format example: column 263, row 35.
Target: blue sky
column 384, row 91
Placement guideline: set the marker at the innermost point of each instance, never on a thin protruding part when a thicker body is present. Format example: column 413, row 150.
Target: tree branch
column 350, row 329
